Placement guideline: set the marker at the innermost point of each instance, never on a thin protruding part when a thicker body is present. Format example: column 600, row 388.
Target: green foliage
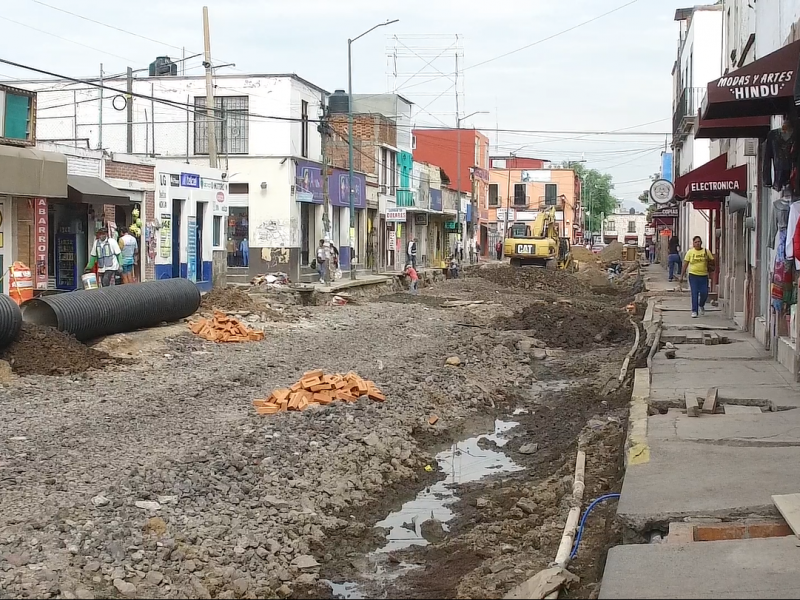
column 597, row 197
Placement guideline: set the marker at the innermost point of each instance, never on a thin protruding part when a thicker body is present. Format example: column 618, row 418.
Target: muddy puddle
column 424, row 519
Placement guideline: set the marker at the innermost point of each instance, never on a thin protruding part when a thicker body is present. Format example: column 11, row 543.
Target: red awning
column 723, row 129
column 712, row 180
column 764, row 87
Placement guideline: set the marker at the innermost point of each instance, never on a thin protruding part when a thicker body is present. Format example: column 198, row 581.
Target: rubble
column 315, row 388
column 227, row 299
column 222, row 328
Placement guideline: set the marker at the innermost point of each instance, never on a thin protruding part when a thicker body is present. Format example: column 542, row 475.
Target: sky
column 536, row 70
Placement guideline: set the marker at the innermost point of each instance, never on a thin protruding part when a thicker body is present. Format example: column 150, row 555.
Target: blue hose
column 583, row 522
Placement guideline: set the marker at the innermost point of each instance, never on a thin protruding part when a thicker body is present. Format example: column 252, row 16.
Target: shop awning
column 92, row 190
column 743, row 127
column 764, row 87
column 713, row 180
column 33, row 173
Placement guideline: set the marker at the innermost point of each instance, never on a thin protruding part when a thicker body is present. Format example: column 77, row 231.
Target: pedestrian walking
column 129, row 248
column 477, row 251
column 699, row 263
column 674, row 256
column 471, row 251
column 460, row 250
column 105, row 254
column 498, row 248
column 322, row 261
column 412, row 252
column 413, row 277
column 453, row 269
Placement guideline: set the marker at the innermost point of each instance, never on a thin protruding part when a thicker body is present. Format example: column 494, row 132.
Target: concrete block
column 692, row 408
column 710, row 402
column 680, row 533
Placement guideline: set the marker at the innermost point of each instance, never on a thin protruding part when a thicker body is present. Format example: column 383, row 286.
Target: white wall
column 704, row 47
column 620, row 227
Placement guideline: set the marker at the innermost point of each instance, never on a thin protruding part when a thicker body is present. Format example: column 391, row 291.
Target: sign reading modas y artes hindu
column 759, row 85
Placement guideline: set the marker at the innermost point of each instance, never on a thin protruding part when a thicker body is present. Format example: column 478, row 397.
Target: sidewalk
column 691, row 474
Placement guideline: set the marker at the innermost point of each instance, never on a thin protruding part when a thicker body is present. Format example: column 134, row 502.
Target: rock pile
column 222, row 328
column 315, row 388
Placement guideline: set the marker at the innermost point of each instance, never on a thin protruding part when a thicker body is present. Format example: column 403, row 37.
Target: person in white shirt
column 105, row 254
column 412, row 253
column 471, row 246
column 129, row 247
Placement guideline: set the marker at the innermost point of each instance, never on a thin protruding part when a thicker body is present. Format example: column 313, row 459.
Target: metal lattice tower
column 429, row 70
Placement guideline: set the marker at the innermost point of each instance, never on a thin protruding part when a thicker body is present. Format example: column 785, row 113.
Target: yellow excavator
column 538, row 243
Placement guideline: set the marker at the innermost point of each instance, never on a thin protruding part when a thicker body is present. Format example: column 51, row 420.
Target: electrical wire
column 589, row 509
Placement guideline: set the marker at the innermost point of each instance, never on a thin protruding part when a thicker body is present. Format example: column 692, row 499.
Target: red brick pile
column 315, row 388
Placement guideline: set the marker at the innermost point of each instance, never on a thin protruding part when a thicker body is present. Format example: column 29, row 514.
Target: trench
column 425, row 518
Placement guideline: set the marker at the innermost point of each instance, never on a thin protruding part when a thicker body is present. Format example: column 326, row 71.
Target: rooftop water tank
column 163, row 65
column 339, row 102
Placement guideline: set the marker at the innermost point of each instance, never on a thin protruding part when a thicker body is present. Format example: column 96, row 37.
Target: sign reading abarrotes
column 662, row 191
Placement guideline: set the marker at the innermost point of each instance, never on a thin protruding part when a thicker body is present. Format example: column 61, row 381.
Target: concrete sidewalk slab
column 756, row 568
column 754, row 429
column 732, row 351
column 704, row 373
column 670, row 392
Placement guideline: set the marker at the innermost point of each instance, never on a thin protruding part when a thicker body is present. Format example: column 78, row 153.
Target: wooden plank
column 710, row 403
column 789, row 507
column 692, row 409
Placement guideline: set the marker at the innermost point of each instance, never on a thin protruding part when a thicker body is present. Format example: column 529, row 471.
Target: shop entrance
column 177, row 213
column 306, row 221
column 237, row 243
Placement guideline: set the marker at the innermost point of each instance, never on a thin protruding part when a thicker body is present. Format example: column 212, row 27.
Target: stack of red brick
column 315, row 388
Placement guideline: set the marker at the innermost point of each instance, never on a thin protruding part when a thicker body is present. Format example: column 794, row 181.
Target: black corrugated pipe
column 89, row 314
column 10, row 320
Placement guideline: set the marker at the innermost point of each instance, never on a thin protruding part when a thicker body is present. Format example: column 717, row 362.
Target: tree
column 596, row 194
column 644, row 197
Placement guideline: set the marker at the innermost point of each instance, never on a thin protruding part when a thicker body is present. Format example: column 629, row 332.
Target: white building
column 268, row 140
column 699, row 61
column 625, row 226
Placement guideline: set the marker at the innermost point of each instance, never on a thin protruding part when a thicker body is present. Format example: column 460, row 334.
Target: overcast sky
column 610, row 74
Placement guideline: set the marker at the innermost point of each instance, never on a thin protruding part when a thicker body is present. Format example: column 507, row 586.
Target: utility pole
column 326, row 199
column 100, row 128
column 129, row 106
column 211, row 124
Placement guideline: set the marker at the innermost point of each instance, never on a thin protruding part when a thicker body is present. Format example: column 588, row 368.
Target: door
column 177, row 214
column 5, row 242
column 201, row 217
column 306, row 214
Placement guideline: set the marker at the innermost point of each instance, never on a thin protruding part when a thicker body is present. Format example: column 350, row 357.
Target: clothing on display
column 791, row 228
column 778, row 151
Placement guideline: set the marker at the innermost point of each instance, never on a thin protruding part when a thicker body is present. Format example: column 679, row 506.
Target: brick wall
column 369, row 130
column 120, row 170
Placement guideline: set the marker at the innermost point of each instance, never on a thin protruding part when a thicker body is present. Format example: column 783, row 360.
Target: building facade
column 519, row 188
column 626, row 226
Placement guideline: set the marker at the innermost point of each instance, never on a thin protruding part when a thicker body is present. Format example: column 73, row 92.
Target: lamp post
column 458, row 160
column 350, row 138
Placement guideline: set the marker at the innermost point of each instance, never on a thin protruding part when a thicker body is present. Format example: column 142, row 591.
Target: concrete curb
column 637, row 450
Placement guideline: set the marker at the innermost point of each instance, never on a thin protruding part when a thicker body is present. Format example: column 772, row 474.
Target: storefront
column 236, row 228
column 29, row 178
column 191, row 207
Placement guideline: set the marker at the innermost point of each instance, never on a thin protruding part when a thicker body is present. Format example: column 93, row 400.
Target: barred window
column 231, row 125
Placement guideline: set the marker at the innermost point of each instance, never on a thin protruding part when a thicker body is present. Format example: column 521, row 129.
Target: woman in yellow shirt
column 698, row 263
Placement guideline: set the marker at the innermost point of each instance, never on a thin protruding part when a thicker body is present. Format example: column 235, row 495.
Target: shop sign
column 191, row 249
column 174, row 181
column 397, row 215
column 40, row 274
column 665, row 213
column 661, row 191
column 220, row 204
column 481, row 174
column 190, row 180
column 714, row 186
column 165, row 236
column 504, row 214
column 420, row 218
column 760, row 85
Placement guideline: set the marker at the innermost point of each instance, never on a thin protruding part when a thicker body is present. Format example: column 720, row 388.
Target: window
column 550, row 194
column 631, row 226
column 15, row 116
column 387, row 174
column 611, row 226
column 304, row 129
column 217, row 241
column 520, row 198
column 494, row 197
column 231, row 125
column 413, row 142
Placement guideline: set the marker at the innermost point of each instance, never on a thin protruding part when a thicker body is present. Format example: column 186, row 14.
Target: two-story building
column 268, row 146
column 520, row 188
column 625, row 226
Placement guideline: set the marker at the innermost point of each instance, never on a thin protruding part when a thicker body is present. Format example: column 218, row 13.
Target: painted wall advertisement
column 165, row 234
column 40, row 274
column 191, row 249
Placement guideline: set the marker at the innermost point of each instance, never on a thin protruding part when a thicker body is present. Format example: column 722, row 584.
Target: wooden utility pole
column 211, row 123
column 129, row 108
column 326, row 199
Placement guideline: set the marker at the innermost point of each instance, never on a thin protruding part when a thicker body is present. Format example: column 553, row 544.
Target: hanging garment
column 791, row 227
column 777, row 158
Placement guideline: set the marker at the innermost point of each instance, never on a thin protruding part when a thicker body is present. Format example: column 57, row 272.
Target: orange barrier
column 20, row 288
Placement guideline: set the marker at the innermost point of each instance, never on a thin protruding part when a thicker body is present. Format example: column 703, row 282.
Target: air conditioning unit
column 751, row 147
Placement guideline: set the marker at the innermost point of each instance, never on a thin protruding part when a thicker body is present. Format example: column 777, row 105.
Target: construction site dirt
column 157, row 477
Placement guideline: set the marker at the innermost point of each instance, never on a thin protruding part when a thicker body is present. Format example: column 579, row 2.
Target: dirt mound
column 46, row 351
column 228, row 299
column 612, row 252
column 582, row 254
column 531, row 278
column 566, row 326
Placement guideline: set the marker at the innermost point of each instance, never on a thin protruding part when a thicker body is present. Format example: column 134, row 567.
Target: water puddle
column 464, row 462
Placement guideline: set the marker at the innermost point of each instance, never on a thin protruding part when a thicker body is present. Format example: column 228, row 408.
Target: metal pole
column 100, row 128
column 210, row 124
column 129, row 106
column 350, row 154
column 458, row 175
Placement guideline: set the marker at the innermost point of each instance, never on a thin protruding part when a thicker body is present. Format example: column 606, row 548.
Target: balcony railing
column 405, row 197
column 686, row 108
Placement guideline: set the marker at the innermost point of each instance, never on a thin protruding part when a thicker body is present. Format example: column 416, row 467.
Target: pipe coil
column 10, row 320
column 89, row 314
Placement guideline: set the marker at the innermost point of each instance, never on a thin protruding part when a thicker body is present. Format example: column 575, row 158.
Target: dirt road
column 153, row 477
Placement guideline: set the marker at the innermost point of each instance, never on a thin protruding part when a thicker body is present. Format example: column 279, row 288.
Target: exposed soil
column 567, row 326
column 612, row 252
column 42, row 350
column 227, row 299
column 532, row 278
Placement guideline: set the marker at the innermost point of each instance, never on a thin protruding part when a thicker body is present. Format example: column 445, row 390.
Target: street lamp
column 350, row 138
column 458, row 160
